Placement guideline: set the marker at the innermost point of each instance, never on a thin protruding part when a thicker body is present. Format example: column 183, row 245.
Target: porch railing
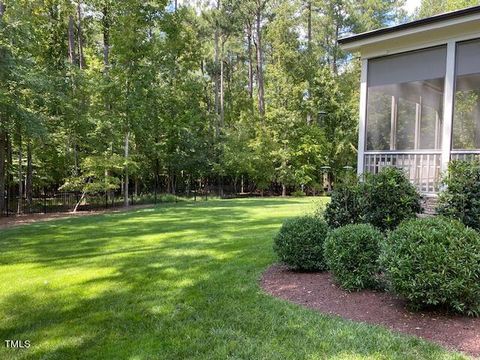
column 422, row 167
column 467, row 155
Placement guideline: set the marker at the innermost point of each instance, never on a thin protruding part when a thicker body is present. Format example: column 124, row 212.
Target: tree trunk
column 309, row 24
column 157, row 176
column 2, row 9
column 106, row 38
column 242, row 186
column 20, row 175
column 172, row 186
column 79, row 202
column 125, row 184
column 284, row 190
column 222, row 86
column 260, row 82
column 250, row 60
column 29, row 179
column 71, row 41
column 309, row 45
column 81, row 59
column 8, row 171
column 216, row 75
column 3, row 167
column 335, row 47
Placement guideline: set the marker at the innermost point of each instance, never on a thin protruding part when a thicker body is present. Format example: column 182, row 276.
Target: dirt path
column 11, row 221
column 317, row 291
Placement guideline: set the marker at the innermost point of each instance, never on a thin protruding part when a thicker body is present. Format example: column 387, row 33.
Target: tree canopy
column 252, row 95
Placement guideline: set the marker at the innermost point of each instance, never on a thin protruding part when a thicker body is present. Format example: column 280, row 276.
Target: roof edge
column 412, row 24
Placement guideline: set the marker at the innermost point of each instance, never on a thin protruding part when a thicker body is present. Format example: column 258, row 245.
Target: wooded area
column 103, row 96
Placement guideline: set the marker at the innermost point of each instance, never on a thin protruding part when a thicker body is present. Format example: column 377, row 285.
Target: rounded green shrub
column 299, row 243
column 460, row 198
column 434, row 262
column 383, row 200
column 351, row 254
column 389, row 198
column 345, row 205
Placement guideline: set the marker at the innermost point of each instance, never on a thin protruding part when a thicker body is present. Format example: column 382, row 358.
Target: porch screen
column 404, row 100
column 466, row 121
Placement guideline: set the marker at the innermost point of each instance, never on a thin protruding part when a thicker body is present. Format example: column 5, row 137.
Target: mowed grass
column 176, row 282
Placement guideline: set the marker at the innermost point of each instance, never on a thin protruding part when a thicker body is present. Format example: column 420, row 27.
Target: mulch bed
column 318, row 291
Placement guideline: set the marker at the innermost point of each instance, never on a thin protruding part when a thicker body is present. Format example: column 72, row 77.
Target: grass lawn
column 176, row 282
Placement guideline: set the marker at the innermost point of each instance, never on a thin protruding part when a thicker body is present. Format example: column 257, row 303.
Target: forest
column 123, row 98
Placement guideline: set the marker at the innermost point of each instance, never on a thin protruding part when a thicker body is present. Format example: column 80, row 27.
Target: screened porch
column 419, row 95
column 408, row 98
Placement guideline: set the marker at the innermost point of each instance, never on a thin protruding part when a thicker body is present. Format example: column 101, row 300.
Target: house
column 419, row 95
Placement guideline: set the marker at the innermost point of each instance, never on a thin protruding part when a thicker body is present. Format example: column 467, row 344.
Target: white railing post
column 448, row 99
column 362, row 129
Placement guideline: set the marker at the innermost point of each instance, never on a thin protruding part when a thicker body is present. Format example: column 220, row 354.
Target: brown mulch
column 318, row 291
column 11, row 221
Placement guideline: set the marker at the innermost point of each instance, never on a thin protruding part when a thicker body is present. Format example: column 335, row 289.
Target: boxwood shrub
column 351, row 254
column 345, row 205
column 460, row 198
column 435, row 262
column 299, row 243
column 383, row 200
column 389, row 198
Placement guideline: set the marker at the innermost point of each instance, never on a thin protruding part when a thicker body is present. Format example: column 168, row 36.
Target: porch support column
column 362, row 128
column 448, row 105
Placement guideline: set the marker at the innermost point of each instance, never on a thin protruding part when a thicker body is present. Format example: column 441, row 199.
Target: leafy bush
column 435, row 261
column 299, row 243
column 383, row 200
column 461, row 197
column 351, row 254
column 298, row 193
column 389, row 198
column 345, row 205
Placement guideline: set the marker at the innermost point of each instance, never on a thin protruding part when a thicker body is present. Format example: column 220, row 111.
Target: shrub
column 389, row 198
column 298, row 193
column 345, row 205
column 351, row 254
column 461, row 197
column 435, row 262
column 383, row 200
column 299, row 243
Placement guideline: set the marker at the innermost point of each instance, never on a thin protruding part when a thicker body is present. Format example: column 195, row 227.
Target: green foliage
column 435, row 262
column 97, row 174
column 389, row 198
column 383, row 200
column 345, row 206
column 351, row 254
column 460, row 198
column 179, row 88
column 434, row 7
column 298, row 193
column 299, row 243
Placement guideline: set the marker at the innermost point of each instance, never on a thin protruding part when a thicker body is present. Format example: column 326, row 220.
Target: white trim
column 403, row 152
column 390, row 37
column 418, row 124
column 448, row 100
column 419, row 46
column 476, row 151
column 362, row 129
column 393, row 124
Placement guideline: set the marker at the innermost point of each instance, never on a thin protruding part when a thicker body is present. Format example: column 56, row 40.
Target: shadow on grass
column 170, row 283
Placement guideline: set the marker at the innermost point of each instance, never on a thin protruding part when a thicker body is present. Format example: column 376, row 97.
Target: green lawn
column 176, row 282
